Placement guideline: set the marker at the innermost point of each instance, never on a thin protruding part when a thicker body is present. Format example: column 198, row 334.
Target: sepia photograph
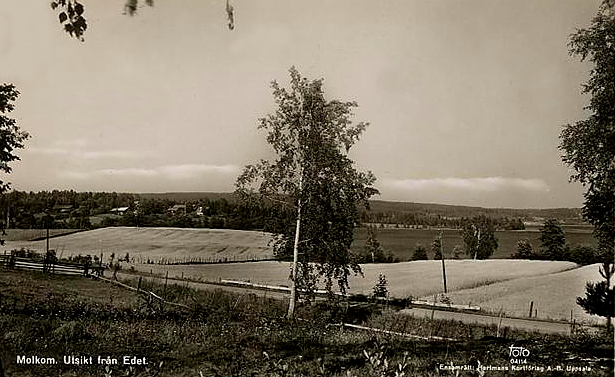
column 344, row 188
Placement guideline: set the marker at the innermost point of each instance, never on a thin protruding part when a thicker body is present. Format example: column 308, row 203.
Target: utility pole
column 442, row 256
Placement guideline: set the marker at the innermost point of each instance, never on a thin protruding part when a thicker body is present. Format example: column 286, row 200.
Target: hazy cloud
column 88, row 155
column 190, row 170
column 487, row 184
column 184, row 171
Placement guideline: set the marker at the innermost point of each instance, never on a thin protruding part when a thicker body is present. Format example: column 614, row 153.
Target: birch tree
column 589, row 148
column 315, row 180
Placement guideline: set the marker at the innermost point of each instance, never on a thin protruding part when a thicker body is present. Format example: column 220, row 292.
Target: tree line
column 59, row 209
column 423, row 219
column 70, row 209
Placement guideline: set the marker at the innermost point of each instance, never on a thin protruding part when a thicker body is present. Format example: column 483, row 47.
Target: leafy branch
column 71, row 15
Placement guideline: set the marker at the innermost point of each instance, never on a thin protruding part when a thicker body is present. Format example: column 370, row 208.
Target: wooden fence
column 185, row 260
column 54, row 267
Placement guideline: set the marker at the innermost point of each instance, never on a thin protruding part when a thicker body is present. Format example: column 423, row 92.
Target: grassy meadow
column 224, row 334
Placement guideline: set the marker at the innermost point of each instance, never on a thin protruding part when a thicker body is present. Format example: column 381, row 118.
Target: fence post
column 166, row 278
column 497, row 335
column 531, row 307
column 139, row 284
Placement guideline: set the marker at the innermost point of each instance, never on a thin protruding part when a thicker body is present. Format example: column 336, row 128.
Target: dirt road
column 513, row 323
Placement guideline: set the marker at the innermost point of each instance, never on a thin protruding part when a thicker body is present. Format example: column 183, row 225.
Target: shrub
column 582, row 255
column 380, row 288
column 420, row 253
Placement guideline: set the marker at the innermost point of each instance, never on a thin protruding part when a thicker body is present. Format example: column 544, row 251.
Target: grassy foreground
column 223, row 334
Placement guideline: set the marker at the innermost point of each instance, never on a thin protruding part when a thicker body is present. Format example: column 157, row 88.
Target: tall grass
column 226, row 334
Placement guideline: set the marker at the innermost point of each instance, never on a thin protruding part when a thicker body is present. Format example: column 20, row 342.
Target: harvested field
column 417, row 279
column 33, row 234
column 175, row 244
column 554, row 295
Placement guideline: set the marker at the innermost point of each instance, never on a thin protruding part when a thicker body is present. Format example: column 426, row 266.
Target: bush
column 26, row 253
column 582, row 255
column 380, row 289
column 420, row 253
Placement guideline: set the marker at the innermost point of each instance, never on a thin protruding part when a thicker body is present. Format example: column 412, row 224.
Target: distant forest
column 84, row 210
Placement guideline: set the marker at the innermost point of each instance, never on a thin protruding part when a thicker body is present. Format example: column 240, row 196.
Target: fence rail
column 13, row 262
column 186, row 260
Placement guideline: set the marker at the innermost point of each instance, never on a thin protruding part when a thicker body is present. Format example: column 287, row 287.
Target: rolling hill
column 156, row 243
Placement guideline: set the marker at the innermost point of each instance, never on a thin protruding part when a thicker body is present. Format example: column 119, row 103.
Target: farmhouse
column 119, row 210
column 177, row 209
column 62, row 208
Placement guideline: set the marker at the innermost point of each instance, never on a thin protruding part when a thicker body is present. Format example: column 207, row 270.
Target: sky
column 465, row 99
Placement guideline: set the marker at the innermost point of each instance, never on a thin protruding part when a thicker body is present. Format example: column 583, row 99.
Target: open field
column 179, row 243
column 554, row 295
column 401, row 242
column 33, row 234
column 416, row 279
column 518, row 282
column 156, row 243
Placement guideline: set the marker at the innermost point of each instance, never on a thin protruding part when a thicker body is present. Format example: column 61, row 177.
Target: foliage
column 457, row 251
column 11, row 136
column 373, row 252
column 313, row 176
column 524, row 250
column 225, row 334
column 131, row 6
column 553, row 240
column 436, row 249
column 589, row 145
column 372, row 246
column 380, row 288
column 478, row 235
column 598, row 299
column 420, row 253
column 579, row 254
column 71, row 15
column 26, row 253
column 419, row 216
column 582, row 255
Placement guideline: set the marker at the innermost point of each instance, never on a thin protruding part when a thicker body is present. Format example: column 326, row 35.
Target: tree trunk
column 608, row 269
column 293, row 282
